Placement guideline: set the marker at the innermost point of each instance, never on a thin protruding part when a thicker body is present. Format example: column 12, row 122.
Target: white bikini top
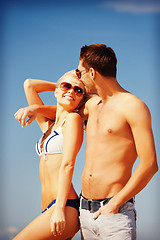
column 53, row 144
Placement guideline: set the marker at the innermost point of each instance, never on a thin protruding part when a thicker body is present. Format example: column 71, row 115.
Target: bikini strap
column 49, row 127
column 62, row 122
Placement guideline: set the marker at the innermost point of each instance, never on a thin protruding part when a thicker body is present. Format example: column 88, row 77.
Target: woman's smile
column 69, row 97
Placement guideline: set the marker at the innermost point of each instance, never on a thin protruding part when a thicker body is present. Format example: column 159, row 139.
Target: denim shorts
column 120, row 226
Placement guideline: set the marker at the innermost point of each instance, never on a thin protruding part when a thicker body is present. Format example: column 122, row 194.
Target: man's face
column 86, row 78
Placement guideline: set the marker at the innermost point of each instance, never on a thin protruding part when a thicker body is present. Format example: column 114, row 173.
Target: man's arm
column 30, row 112
column 139, row 119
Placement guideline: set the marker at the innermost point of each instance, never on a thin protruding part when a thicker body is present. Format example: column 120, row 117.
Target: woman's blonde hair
column 86, row 96
column 69, row 74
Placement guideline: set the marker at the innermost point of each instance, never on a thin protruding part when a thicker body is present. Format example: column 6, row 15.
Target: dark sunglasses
column 79, row 73
column 64, row 86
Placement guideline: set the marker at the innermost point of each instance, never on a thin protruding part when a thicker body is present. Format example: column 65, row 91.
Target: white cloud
column 8, row 232
column 12, row 230
column 135, row 7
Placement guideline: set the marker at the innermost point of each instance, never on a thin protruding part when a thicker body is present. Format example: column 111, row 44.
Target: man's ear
column 93, row 73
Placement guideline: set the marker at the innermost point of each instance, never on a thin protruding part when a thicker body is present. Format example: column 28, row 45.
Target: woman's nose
column 71, row 90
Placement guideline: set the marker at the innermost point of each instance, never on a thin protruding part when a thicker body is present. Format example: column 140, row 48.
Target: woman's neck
column 61, row 114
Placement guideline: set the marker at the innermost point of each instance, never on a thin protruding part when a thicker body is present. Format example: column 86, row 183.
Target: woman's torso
column 50, row 150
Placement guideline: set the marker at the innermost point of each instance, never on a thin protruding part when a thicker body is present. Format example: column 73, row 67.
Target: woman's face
column 69, row 92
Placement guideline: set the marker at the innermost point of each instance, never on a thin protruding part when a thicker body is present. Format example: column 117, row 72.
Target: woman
column 57, row 148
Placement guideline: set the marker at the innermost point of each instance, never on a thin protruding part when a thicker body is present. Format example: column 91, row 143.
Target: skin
column 119, row 135
column 119, row 128
column 58, row 222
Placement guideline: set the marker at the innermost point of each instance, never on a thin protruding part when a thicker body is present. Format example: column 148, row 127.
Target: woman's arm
column 73, row 137
column 32, row 89
column 30, row 112
column 46, row 111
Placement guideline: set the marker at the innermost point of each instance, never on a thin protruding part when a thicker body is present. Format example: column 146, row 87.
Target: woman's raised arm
column 30, row 112
column 32, row 88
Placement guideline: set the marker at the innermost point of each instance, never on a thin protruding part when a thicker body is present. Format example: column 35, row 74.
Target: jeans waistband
column 94, row 205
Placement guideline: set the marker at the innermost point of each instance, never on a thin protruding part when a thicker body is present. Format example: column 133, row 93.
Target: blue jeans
column 120, row 226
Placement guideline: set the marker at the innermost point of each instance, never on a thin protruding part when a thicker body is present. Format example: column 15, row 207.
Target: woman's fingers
column 60, row 226
column 22, row 114
column 30, row 120
column 57, row 227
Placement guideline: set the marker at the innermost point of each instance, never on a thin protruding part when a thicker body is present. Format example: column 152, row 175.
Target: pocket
column 127, row 207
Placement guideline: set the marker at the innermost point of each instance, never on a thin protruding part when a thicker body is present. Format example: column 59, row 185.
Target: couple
column 118, row 130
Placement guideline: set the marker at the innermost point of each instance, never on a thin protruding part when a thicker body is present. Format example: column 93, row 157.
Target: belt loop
column 80, row 202
column 101, row 203
column 134, row 200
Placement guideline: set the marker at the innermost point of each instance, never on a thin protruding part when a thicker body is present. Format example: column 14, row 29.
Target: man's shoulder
column 133, row 105
column 132, row 100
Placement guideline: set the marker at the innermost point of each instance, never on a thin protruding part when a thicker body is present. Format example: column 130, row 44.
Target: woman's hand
column 57, row 221
column 23, row 113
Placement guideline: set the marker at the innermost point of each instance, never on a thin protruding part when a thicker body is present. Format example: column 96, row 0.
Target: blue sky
column 42, row 39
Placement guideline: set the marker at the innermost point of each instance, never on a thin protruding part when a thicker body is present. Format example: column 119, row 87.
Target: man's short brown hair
column 101, row 58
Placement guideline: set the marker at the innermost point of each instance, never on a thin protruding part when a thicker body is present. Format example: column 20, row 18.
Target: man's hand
column 23, row 113
column 57, row 222
column 109, row 208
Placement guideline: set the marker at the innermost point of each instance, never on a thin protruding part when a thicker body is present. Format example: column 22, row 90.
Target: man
column 118, row 130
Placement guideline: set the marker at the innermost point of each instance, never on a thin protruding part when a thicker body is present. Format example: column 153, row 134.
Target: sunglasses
column 79, row 73
column 64, row 86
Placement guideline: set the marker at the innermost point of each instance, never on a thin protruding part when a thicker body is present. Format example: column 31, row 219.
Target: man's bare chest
column 107, row 121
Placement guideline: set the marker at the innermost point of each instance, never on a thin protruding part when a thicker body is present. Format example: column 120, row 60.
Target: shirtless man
column 118, row 131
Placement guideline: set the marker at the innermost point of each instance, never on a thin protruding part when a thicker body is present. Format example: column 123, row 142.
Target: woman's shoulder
column 73, row 123
column 73, row 116
column 92, row 102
